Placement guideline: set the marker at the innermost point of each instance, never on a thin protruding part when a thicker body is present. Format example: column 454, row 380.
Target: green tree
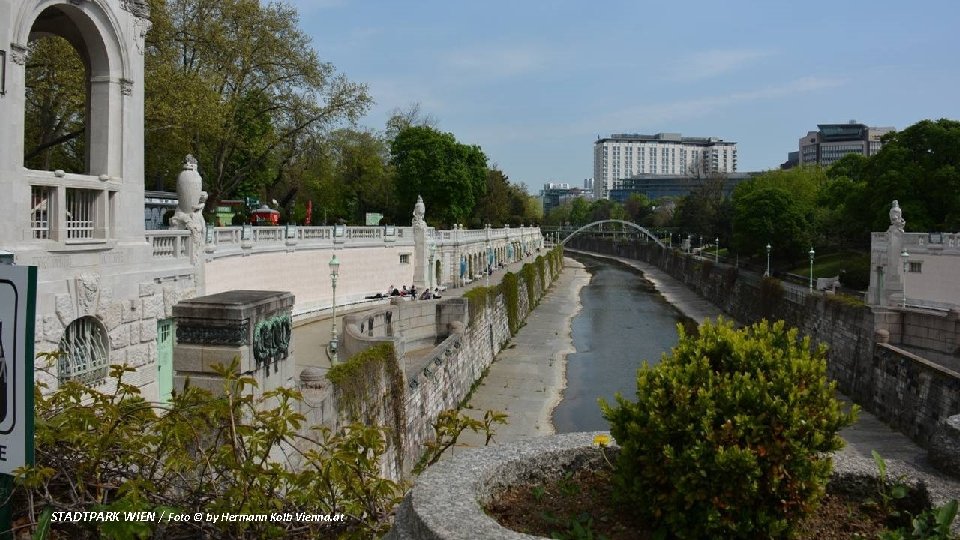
column 450, row 176
column 579, row 212
column 770, row 214
column 494, row 207
column 237, row 84
column 637, row 208
column 920, row 167
column 700, row 211
column 55, row 107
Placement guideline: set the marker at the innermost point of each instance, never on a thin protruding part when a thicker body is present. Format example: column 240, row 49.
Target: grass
column 853, row 267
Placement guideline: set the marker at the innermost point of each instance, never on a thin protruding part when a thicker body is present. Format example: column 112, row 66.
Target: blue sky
column 535, row 83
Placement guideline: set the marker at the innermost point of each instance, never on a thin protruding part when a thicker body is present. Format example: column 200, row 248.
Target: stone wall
column 908, row 392
column 464, row 339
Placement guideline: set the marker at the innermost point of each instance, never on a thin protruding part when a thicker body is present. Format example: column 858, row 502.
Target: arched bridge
column 622, row 222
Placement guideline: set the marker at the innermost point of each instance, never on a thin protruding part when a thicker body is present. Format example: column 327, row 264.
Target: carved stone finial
column 189, row 163
column 896, row 216
column 419, row 210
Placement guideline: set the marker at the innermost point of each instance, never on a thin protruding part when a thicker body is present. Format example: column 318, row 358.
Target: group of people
column 404, row 292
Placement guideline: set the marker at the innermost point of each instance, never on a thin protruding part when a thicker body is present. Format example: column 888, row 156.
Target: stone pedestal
column 253, row 326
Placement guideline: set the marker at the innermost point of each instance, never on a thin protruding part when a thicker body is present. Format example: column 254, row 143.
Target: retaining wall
column 910, row 393
column 441, row 349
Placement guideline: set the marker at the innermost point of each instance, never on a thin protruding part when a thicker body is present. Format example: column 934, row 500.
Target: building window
column 84, row 352
column 915, row 266
column 81, row 213
column 404, row 258
column 40, row 211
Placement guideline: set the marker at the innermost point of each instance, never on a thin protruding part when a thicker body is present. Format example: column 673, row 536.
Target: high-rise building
column 621, row 156
column 833, row 141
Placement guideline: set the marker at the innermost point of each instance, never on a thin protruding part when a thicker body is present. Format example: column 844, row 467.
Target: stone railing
column 239, row 240
column 169, row 244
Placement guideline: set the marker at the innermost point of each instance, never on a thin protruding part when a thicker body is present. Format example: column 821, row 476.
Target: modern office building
column 625, row 155
column 658, row 186
column 833, row 141
column 554, row 194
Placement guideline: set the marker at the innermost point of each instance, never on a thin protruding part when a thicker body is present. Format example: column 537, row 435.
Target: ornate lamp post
column 716, row 255
column 768, row 261
column 906, row 266
column 433, row 254
column 334, row 274
column 811, row 253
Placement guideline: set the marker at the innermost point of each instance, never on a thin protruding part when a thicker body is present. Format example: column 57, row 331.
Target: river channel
column 623, row 322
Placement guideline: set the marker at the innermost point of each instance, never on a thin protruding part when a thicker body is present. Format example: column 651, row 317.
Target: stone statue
column 896, row 216
column 418, row 211
column 190, row 202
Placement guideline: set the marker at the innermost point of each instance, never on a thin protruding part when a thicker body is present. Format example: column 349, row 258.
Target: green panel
column 164, row 359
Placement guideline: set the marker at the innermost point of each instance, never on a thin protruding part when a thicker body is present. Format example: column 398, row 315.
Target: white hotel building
column 625, row 155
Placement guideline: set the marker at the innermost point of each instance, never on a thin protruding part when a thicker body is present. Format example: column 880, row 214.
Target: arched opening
column 73, row 98
column 55, row 106
column 84, row 352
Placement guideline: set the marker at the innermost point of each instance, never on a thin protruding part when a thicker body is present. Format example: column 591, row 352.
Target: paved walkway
column 526, row 380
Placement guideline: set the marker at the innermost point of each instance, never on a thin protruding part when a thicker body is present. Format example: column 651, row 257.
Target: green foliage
column 54, row 108
column 770, row 214
column 232, row 452
column 529, row 273
column 448, row 427
column 237, row 84
column 478, row 297
column 931, row 524
column 449, row 175
column 510, row 287
column 730, row 435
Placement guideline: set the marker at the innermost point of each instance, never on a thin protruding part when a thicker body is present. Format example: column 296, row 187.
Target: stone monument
column 421, row 262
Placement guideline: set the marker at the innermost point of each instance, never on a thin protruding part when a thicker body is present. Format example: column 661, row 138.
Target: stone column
column 421, row 255
column 893, row 274
column 252, row 326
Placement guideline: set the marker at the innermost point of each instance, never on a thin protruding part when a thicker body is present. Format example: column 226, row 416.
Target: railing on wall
column 171, row 244
column 232, row 241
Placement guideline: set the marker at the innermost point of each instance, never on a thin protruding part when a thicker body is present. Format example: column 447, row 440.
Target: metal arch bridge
column 622, row 222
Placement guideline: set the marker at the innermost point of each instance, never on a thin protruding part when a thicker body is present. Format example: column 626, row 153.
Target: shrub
column 205, row 453
column 730, row 434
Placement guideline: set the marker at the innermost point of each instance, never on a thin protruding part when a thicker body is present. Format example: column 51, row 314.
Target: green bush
column 730, row 434
column 231, row 452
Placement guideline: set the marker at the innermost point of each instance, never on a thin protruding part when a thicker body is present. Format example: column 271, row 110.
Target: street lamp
column 768, row 261
column 811, row 253
column 334, row 273
column 906, row 266
column 433, row 254
column 716, row 244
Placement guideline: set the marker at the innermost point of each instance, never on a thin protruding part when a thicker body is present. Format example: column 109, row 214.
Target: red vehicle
column 265, row 216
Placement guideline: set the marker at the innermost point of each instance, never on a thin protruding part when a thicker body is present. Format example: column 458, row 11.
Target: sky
column 535, row 83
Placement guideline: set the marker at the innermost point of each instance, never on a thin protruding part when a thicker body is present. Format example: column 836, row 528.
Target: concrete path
column 526, row 380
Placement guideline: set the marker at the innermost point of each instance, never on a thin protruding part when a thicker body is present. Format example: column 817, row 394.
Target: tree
column 449, row 175
column 55, row 108
column 637, row 208
column 237, row 84
column 579, row 212
column 701, row 211
column 494, row 206
column 920, row 167
column 770, row 215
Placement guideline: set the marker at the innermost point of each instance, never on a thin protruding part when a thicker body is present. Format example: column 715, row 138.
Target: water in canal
column 623, row 322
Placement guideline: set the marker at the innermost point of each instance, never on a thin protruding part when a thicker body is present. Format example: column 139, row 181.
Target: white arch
column 634, row 225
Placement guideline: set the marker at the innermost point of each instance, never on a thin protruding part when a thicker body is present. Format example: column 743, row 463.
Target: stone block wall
column 469, row 338
column 906, row 391
column 129, row 319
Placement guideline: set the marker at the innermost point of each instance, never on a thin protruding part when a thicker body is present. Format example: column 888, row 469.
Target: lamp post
column 768, row 261
column 716, row 255
column 334, row 273
column 811, row 253
column 433, row 254
column 906, row 266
